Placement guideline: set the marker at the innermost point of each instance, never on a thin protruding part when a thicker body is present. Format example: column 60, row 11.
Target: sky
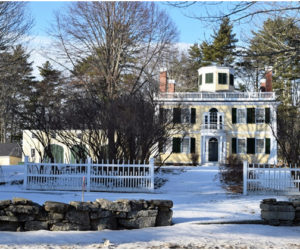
column 190, row 30
column 43, row 13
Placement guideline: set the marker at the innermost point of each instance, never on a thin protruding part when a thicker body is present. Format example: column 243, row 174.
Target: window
column 241, row 143
column 32, row 152
column 222, row 78
column 231, row 82
column 209, row 78
column 241, row 115
column 200, row 80
column 260, row 115
column 185, row 115
column 185, row 145
column 260, row 146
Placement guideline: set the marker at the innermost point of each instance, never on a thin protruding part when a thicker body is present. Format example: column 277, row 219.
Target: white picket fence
column 115, row 176
column 269, row 178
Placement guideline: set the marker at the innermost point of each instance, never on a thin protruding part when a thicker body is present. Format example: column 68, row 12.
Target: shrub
column 194, row 159
column 231, row 174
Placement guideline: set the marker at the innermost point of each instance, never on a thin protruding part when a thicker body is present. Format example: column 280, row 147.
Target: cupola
column 215, row 79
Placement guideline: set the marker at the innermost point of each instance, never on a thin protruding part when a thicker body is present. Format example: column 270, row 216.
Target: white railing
column 194, row 96
column 115, row 176
column 269, row 178
column 212, row 126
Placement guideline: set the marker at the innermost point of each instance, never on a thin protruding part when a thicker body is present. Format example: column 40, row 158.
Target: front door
column 213, row 149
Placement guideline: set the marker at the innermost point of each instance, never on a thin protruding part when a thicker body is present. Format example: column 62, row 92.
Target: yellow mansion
column 219, row 120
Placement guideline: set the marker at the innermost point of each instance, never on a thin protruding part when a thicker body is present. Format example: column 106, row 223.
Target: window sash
column 260, row 115
column 260, row 146
column 185, row 145
column 209, row 78
column 185, row 115
column 241, row 146
column 241, row 116
column 222, row 78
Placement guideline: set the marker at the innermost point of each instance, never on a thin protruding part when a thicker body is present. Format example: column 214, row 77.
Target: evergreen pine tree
column 222, row 49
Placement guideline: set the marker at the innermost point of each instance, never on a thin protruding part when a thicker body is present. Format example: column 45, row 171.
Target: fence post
column 26, row 160
column 88, row 179
column 151, row 165
column 245, row 176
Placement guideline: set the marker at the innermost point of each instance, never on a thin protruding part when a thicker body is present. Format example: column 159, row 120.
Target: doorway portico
column 213, row 148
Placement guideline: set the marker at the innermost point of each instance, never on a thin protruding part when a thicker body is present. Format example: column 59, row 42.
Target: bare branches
column 114, row 40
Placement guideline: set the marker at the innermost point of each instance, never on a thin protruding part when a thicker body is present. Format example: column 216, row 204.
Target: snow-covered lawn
column 198, row 198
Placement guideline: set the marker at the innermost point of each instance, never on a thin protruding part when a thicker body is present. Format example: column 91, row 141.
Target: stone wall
column 25, row 215
column 281, row 213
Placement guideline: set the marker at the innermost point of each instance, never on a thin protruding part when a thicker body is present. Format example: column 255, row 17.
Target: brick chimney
column 266, row 84
column 171, row 86
column 163, row 80
column 165, row 85
column 269, row 80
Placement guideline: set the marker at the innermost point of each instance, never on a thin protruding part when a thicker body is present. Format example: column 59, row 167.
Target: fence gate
column 119, row 177
column 269, row 178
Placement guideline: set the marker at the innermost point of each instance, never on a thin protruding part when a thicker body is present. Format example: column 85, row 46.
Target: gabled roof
column 10, row 149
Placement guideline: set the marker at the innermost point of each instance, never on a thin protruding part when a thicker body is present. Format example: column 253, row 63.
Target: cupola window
column 209, row 78
column 222, row 78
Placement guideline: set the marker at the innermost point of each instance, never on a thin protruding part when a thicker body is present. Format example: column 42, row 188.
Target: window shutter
column 250, row 145
column 161, row 114
column 267, row 115
column 193, row 115
column 176, row 145
column 233, row 145
column 250, row 115
column 160, row 147
column 268, row 146
column 176, row 115
column 231, row 80
column 200, row 80
column 193, row 145
column 233, row 115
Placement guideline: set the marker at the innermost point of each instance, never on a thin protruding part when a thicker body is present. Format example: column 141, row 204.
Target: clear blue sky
column 190, row 30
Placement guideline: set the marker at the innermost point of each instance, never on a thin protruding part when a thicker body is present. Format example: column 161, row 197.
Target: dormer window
column 222, row 78
column 209, row 78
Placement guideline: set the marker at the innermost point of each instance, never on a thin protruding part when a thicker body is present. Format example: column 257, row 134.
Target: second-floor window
column 251, row 115
column 241, row 115
column 184, row 115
